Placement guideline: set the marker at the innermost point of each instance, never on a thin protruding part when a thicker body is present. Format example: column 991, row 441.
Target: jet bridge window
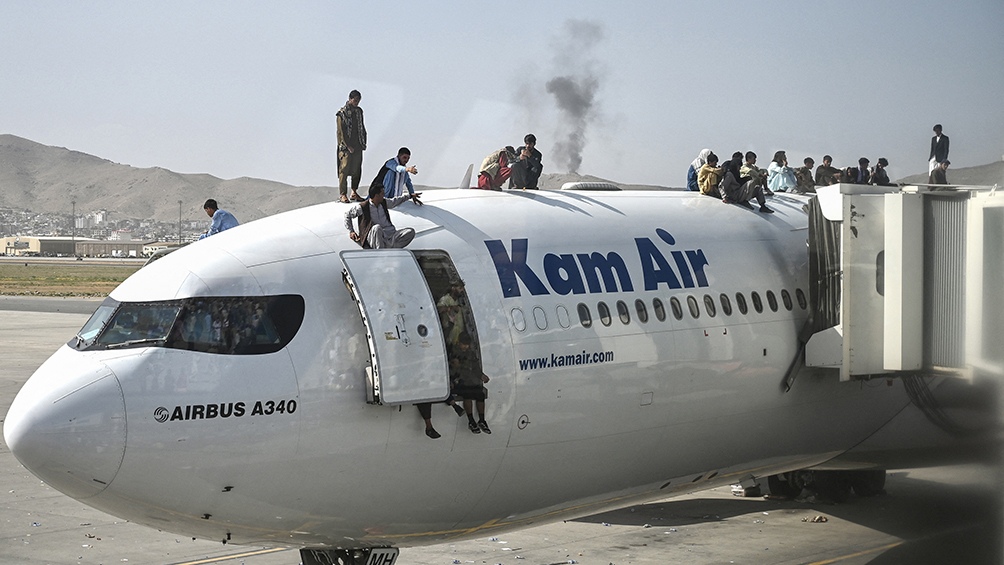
column 236, row 325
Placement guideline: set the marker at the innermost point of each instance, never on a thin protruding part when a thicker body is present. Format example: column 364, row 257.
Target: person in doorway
column 222, row 220
column 451, row 318
column 376, row 231
column 470, row 381
column 351, row 144
column 526, row 170
column 425, row 409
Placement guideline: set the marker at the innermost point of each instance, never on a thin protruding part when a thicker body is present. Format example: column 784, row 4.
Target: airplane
column 256, row 387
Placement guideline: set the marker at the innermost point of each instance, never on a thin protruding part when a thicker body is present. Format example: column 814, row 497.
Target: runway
column 940, row 515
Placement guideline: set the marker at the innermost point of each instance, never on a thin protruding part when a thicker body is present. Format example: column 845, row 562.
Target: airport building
column 54, row 246
column 111, row 248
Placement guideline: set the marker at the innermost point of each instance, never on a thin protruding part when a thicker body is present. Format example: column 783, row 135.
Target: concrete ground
column 940, row 515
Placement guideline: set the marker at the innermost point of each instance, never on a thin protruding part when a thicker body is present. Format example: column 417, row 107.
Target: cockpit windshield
column 236, row 325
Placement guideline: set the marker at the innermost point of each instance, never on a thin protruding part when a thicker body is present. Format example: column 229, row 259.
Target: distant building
column 111, row 248
column 54, row 246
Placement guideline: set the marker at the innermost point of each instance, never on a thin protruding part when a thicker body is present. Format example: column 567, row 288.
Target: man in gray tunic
column 376, row 231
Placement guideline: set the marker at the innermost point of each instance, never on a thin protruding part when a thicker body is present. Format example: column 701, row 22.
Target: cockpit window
column 139, row 323
column 95, row 324
column 239, row 325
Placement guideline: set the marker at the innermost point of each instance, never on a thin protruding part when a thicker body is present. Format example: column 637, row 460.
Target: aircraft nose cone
column 67, row 425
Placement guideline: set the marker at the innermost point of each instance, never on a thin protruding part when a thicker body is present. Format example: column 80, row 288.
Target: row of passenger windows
column 693, row 306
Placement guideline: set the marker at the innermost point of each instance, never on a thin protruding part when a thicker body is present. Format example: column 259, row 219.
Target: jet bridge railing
column 906, row 279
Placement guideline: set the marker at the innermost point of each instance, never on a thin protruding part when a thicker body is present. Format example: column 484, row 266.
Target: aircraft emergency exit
column 257, row 386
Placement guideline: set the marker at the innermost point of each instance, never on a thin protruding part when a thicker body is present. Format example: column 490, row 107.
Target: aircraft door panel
column 407, row 353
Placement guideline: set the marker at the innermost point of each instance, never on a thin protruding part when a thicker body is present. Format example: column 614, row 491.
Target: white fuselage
column 584, row 418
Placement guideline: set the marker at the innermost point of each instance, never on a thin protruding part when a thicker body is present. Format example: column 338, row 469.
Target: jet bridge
column 906, row 280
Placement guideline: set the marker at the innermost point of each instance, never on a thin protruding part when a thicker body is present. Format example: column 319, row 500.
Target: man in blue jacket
column 222, row 220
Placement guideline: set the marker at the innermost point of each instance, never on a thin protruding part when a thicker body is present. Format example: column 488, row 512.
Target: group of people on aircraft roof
column 392, row 184
column 738, row 182
column 521, row 167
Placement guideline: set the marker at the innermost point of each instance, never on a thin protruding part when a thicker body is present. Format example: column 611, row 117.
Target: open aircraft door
column 407, row 353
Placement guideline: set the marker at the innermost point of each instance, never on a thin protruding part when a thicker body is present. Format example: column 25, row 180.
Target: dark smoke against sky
column 574, row 89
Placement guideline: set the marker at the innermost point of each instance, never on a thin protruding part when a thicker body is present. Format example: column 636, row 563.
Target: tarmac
column 927, row 516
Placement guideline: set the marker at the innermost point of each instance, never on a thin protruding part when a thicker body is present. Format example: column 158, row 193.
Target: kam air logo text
column 223, row 410
column 595, row 272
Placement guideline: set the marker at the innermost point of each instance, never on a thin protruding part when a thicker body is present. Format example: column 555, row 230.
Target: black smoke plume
column 575, row 91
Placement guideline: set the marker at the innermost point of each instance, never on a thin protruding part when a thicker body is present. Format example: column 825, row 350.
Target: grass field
column 59, row 279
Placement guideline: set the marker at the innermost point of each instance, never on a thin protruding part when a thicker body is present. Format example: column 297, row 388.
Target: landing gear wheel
column 788, row 485
column 867, row 483
column 833, row 485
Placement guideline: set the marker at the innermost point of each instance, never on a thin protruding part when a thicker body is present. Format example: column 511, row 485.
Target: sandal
column 343, row 199
column 356, row 198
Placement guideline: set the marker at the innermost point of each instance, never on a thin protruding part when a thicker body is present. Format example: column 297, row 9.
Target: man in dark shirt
column 939, row 148
column 526, row 170
column 939, row 174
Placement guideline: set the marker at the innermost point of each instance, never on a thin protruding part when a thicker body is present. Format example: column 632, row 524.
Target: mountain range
column 47, row 179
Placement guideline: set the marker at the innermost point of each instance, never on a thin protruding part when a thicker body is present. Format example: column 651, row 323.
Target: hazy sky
column 250, row 88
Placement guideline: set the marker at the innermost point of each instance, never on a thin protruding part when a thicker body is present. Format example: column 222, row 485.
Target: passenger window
column 786, row 298
column 726, row 304
column 674, row 303
column 540, row 318
column 622, row 312
column 604, row 311
column 757, row 303
column 800, row 296
column 585, row 318
column 562, row 315
column 741, row 303
column 660, row 309
column 709, row 305
column 639, row 306
column 695, row 310
column 772, row 300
